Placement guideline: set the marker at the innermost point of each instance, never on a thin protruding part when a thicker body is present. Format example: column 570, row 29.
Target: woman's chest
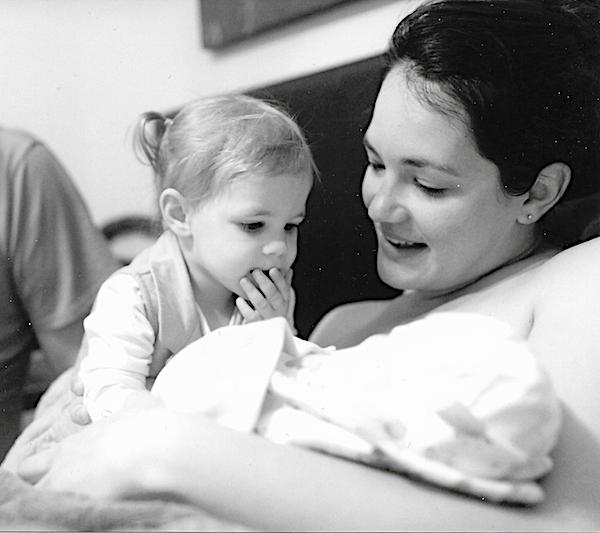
column 512, row 301
column 511, row 304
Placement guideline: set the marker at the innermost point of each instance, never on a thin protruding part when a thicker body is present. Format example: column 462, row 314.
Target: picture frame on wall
column 225, row 22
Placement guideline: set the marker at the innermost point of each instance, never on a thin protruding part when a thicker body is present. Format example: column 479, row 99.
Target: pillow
column 574, row 221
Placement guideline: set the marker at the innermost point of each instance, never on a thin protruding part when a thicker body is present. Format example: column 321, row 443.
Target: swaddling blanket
column 454, row 398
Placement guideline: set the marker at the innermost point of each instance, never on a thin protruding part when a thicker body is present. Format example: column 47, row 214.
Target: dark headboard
column 336, row 258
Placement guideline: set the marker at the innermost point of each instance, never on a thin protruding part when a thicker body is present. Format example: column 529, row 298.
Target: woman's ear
column 550, row 185
column 175, row 212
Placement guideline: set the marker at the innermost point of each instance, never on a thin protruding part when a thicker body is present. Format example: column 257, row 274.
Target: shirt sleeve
column 59, row 257
column 118, row 346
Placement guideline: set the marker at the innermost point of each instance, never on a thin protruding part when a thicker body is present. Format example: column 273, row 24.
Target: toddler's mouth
column 265, row 272
column 250, row 275
column 253, row 281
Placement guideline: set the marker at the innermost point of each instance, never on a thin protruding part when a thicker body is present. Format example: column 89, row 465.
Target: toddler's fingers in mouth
column 280, row 281
column 265, row 284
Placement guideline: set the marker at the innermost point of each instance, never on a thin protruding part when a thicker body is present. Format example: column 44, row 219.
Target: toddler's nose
column 275, row 248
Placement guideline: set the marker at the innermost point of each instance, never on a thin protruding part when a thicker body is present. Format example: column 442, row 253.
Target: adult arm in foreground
column 252, row 481
column 249, row 480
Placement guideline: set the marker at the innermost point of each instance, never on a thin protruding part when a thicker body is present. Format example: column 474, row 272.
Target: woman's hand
column 270, row 296
column 92, row 461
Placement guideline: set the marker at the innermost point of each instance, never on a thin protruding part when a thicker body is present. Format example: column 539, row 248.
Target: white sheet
column 453, row 398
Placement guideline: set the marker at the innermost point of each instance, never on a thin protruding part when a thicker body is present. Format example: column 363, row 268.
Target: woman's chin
column 402, row 276
column 399, row 280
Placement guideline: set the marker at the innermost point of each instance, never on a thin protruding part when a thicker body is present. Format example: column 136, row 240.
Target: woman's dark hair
column 525, row 72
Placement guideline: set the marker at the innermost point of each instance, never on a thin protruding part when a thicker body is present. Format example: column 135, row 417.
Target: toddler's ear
column 174, row 212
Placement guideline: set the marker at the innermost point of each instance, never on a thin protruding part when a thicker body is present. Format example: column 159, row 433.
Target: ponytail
column 148, row 136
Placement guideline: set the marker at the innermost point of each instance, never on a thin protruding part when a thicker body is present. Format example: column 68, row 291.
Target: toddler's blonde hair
column 216, row 139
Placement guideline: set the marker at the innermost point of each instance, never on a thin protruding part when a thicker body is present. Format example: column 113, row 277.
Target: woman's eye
column 252, row 227
column 432, row 191
column 291, row 227
column 377, row 167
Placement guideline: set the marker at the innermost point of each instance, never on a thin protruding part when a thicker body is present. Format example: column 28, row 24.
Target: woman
column 486, row 121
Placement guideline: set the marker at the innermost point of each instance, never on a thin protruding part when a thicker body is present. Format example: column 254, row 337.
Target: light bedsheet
column 454, row 399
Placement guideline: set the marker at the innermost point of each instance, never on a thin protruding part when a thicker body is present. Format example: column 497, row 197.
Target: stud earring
column 526, row 219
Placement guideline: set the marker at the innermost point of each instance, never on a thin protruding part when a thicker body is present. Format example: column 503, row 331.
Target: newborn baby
column 453, row 398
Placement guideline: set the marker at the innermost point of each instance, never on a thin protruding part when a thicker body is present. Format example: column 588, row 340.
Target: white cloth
column 453, row 398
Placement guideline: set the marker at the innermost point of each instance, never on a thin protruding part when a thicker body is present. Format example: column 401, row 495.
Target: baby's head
column 233, row 174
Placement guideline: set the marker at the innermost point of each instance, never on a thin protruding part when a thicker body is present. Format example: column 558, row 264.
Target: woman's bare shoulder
column 565, row 336
column 582, row 259
column 567, row 289
column 565, row 333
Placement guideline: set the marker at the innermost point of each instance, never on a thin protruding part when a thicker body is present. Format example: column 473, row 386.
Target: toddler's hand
column 269, row 297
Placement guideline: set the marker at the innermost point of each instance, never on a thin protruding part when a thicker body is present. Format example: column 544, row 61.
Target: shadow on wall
column 336, row 254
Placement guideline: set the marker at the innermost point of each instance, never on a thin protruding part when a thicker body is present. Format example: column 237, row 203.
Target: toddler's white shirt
column 120, row 343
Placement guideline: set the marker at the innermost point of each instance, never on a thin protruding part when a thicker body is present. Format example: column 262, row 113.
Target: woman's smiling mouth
column 387, row 236
column 405, row 245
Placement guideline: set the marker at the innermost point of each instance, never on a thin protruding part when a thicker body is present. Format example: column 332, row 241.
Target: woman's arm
column 566, row 337
column 267, row 486
column 566, row 328
column 157, row 453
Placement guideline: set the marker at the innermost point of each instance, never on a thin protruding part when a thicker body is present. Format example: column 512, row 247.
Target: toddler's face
column 251, row 224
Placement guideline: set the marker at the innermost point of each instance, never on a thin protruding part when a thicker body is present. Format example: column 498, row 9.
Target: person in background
column 233, row 175
column 52, row 262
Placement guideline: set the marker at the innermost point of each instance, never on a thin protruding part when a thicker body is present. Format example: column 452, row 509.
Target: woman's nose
column 275, row 247
column 385, row 204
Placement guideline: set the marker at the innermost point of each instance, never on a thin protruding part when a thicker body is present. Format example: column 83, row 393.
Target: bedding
column 25, row 508
column 492, row 440
column 454, row 399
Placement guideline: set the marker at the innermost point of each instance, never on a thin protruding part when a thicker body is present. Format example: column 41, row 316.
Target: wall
column 78, row 72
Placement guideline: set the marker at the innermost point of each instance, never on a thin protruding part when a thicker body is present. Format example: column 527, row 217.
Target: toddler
column 233, row 174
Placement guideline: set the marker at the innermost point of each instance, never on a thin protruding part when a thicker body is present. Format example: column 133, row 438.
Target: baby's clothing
column 122, row 352
column 454, row 398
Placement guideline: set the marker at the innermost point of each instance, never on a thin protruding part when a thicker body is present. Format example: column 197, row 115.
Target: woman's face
column 440, row 214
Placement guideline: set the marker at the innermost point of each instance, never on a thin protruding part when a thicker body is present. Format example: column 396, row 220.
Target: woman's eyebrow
column 416, row 162
column 426, row 163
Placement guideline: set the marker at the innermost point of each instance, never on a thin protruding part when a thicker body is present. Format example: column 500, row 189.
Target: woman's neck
column 523, row 259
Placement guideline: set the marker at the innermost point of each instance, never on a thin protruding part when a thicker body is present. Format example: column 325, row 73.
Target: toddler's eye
column 291, row 227
column 251, row 227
